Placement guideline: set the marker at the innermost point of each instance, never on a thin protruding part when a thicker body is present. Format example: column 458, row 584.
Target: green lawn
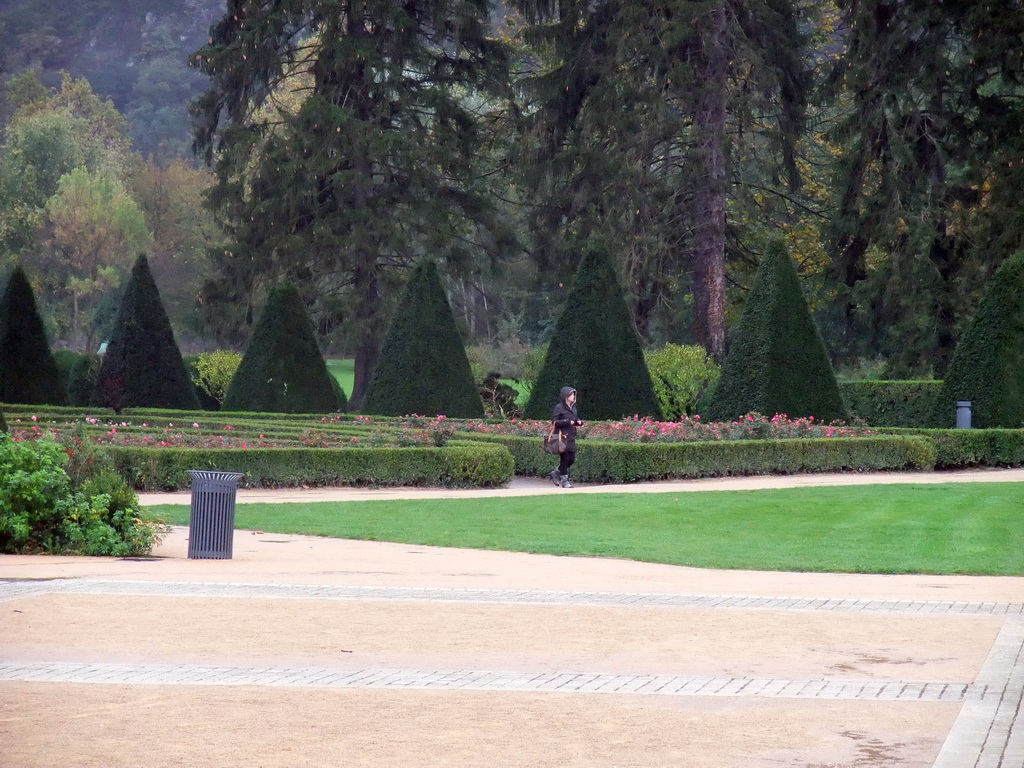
column 970, row 528
column 345, row 372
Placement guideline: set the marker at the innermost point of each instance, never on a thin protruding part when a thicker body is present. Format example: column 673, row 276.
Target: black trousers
column 567, row 459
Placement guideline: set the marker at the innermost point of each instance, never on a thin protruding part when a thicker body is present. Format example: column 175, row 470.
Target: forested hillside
column 133, row 52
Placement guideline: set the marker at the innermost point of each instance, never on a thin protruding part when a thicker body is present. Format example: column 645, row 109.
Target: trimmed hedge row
column 895, row 403
column 972, row 447
column 150, row 469
column 605, row 462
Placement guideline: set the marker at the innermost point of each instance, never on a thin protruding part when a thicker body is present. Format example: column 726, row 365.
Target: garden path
column 304, row 651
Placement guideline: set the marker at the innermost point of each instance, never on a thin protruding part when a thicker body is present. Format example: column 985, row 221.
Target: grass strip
column 968, row 528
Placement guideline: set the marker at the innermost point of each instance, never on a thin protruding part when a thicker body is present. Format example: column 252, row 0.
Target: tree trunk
column 368, row 350
column 709, row 198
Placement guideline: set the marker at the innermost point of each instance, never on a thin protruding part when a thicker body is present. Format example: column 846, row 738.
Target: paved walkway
column 307, row 651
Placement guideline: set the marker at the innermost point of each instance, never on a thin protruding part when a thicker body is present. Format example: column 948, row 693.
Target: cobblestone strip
column 481, row 680
column 989, row 732
column 10, row 590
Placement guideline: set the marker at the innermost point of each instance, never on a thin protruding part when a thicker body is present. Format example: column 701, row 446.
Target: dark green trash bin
column 211, row 523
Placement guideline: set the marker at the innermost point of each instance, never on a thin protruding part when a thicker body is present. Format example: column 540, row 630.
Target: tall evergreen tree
column 423, row 366
column 777, row 362
column 629, row 112
column 595, row 349
column 927, row 175
column 142, row 367
column 282, row 370
column 28, row 372
column 370, row 168
column 988, row 365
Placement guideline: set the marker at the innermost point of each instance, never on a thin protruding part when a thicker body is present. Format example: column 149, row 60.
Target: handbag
column 554, row 443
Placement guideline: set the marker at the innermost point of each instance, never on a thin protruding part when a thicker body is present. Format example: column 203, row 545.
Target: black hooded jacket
column 565, row 418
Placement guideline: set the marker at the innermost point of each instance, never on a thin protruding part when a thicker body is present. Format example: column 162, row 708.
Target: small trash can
column 211, row 522
column 963, row 414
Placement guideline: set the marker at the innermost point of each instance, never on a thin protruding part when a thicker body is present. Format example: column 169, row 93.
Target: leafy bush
column 42, row 509
column 82, row 378
column 499, row 398
column 681, row 375
column 892, row 403
column 213, row 372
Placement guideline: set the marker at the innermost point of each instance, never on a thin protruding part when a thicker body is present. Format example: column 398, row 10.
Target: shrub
column 42, row 509
column 595, row 349
column 892, row 403
column 637, row 462
column 956, row 448
column 451, row 466
column 423, row 366
column 28, row 371
column 499, row 398
column 988, row 363
column 82, row 379
column 776, row 361
column 681, row 375
column 142, row 365
column 282, row 370
column 65, row 360
column 212, row 372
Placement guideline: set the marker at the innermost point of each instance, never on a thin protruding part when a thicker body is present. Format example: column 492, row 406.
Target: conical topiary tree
column 988, row 363
column 282, row 370
column 142, row 367
column 777, row 361
column 423, row 366
column 28, row 371
column 595, row 349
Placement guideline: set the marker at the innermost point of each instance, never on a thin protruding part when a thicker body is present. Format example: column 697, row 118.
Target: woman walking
column 566, row 421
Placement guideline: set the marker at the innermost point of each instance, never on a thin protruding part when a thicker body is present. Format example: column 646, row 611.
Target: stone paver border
column 988, row 733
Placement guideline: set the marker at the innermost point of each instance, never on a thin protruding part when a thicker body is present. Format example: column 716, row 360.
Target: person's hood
column 566, row 391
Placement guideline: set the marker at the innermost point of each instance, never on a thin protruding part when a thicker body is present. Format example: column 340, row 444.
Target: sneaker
column 565, row 482
column 555, row 477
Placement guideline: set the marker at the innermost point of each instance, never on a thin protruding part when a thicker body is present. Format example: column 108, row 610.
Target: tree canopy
column 370, row 169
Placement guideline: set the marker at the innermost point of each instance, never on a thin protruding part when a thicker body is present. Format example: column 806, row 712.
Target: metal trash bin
column 963, row 414
column 211, row 522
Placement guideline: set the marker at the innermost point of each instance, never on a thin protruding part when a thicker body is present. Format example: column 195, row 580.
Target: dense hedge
column 28, row 371
column 893, row 403
column 595, row 349
column 776, row 361
column 142, row 365
column 957, row 448
column 456, row 466
column 635, row 462
column 423, row 366
column 988, row 364
column 282, row 370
